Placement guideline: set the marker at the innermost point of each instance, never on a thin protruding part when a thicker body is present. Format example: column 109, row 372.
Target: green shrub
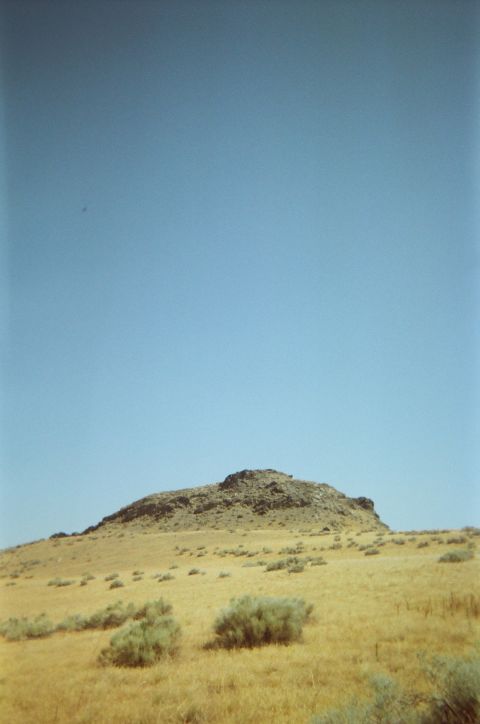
column 111, row 577
column 277, row 565
column 165, row 577
column 371, row 552
column 292, row 550
column 457, row 695
column 194, row 571
column 75, row 622
column 18, row 629
column 251, row 621
column 283, row 563
column 117, row 583
column 457, row 556
column 456, row 699
column 109, row 617
column 114, row 615
column 153, row 610
column 389, row 706
column 59, row 582
column 296, row 568
column 457, row 540
column 224, row 574
column 142, row 643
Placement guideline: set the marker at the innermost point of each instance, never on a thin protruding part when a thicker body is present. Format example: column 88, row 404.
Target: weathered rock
column 250, row 498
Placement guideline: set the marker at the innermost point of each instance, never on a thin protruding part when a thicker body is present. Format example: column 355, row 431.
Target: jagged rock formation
column 250, row 499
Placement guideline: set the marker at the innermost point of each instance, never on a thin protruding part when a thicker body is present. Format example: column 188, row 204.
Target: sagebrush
column 257, row 621
column 142, row 643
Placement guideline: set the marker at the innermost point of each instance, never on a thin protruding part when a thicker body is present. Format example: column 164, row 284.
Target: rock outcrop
column 250, row 499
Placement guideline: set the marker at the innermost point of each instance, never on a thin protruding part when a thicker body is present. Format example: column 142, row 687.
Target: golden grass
column 372, row 614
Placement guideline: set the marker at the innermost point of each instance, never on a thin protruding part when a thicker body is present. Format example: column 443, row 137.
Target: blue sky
column 239, row 234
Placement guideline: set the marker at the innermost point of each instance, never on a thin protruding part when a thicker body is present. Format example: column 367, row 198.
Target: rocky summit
column 249, row 499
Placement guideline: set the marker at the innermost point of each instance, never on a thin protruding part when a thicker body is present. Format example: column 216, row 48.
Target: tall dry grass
column 372, row 614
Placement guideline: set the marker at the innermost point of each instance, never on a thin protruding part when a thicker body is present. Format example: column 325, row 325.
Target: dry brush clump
column 117, row 583
column 111, row 577
column 389, row 706
column 19, row 629
column 455, row 698
column 256, row 621
column 294, row 564
column 144, row 642
column 112, row 616
column 457, row 556
column 457, row 690
column 60, row 582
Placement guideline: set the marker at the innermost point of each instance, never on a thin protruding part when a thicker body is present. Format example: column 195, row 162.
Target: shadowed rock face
column 250, row 498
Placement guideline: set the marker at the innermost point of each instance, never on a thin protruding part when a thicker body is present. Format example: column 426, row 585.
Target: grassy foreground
column 374, row 613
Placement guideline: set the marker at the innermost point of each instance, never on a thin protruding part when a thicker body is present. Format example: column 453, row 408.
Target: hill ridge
column 249, row 498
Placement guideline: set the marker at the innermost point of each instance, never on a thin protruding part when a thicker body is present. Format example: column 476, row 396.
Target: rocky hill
column 249, row 499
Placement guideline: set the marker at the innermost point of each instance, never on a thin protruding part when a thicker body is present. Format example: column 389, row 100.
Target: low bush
column 59, row 582
column 457, row 540
column 114, row 615
column 457, row 690
column 292, row 550
column 251, row 621
column 117, row 583
column 455, row 699
column 457, row 556
column 296, row 568
column 371, row 552
column 75, row 622
column 109, row 617
column 389, row 706
column 18, row 629
column 153, row 610
column 165, row 577
column 142, row 643
column 276, row 565
column 111, row 577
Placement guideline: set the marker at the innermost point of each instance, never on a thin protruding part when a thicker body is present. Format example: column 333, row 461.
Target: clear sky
column 239, row 234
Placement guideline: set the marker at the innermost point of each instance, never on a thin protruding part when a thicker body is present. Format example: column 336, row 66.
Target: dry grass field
column 372, row 614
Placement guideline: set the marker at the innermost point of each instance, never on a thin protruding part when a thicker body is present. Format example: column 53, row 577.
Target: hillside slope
column 251, row 499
